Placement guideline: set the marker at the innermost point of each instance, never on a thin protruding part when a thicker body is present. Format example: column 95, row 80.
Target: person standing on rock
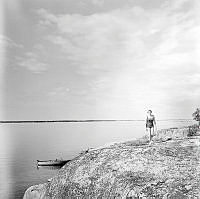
column 150, row 124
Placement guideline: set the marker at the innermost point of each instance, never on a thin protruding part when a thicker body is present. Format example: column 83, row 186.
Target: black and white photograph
column 99, row 99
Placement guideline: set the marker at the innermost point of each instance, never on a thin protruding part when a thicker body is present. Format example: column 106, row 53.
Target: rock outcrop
column 167, row 168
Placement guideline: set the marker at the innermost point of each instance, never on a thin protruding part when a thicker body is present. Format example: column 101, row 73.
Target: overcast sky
column 100, row 59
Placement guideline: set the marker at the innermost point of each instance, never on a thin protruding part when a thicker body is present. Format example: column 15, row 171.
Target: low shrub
column 193, row 130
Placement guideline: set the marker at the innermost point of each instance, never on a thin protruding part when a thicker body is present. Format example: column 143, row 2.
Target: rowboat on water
column 55, row 162
column 47, row 167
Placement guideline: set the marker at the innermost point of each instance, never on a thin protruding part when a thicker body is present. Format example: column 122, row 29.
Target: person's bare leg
column 150, row 134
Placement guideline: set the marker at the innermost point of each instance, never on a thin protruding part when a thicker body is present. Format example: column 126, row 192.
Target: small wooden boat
column 55, row 162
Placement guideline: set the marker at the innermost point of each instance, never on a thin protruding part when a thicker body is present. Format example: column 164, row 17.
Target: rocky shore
column 169, row 167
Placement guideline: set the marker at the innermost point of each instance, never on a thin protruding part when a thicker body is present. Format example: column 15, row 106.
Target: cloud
column 31, row 62
column 122, row 37
column 132, row 56
column 131, row 31
column 97, row 2
column 60, row 91
column 93, row 41
column 7, row 44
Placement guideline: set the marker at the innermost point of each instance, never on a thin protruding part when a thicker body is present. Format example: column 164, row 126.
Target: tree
column 196, row 115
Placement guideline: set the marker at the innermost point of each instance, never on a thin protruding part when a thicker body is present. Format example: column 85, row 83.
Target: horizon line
column 88, row 120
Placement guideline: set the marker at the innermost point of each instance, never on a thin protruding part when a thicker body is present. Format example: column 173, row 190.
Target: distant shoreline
column 86, row 121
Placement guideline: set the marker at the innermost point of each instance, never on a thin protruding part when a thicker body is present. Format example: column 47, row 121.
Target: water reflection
column 49, row 167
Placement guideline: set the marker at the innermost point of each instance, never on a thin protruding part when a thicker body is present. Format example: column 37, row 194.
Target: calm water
column 22, row 144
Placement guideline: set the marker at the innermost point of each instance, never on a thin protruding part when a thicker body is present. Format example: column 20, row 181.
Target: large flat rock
column 162, row 169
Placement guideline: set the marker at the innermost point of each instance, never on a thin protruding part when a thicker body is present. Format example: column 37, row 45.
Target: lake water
column 22, row 144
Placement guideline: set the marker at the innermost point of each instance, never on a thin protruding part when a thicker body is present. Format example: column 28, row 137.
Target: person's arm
column 154, row 121
column 146, row 123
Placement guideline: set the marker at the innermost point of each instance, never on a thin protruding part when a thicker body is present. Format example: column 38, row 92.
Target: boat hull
column 52, row 162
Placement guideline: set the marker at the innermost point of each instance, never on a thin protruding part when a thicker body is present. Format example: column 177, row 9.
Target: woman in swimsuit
column 150, row 124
